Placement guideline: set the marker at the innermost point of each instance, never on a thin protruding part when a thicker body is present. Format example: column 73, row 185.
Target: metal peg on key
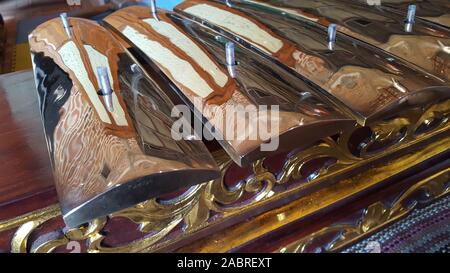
column 105, row 87
column 331, row 36
column 153, row 9
column 410, row 18
column 65, row 22
column 230, row 59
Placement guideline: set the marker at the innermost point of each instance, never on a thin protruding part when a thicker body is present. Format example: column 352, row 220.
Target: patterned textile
column 425, row 230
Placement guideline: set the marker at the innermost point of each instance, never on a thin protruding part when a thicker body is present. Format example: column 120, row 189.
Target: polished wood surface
column 25, row 168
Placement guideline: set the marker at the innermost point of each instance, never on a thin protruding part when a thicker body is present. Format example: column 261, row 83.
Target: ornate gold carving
column 306, row 204
column 91, row 232
column 95, row 244
column 411, row 124
column 221, row 199
column 50, row 245
column 154, row 217
column 327, row 148
column 376, row 215
column 205, row 205
column 27, row 224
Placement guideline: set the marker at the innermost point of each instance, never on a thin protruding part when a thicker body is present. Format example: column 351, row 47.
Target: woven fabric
column 425, row 230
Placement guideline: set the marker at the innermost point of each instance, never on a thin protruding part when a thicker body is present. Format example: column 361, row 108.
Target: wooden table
column 25, row 170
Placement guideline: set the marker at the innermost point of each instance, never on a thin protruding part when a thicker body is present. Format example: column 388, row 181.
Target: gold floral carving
column 375, row 216
column 208, row 204
column 406, row 127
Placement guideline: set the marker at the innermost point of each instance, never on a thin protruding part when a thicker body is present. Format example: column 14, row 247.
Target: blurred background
column 19, row 17
column 167, row 4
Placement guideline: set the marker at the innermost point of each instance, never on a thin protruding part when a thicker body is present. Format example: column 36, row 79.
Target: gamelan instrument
column 329, row 88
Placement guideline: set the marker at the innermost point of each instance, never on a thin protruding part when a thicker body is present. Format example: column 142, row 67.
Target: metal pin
column 135, row 69
column 228, row 3
column 230, row 59
column 373, row 2
column 65, row 22
column 331, row 36
column 154, row 9
column 105, row 87
column 410, row 18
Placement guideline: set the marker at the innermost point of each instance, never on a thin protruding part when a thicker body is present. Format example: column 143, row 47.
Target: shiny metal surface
column 66, row 24
column 368, row 82
column 410, row 18
column 420, row 43
column 104, row 161
column 303, row 117
column 436, row 11
column 105, row 87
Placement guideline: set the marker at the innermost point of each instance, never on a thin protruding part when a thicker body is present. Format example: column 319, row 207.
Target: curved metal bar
column 109, row 154
column 413, row 40
column 435, row 11
column 363, row 80
column 193, row 58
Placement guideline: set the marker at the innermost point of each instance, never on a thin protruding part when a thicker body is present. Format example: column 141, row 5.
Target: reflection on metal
column 230, row 59
column 66, row 24
column 423, row 44
column 105, row 90
column 97, row 111
column 436, row 12
column 331, row 36
column 154, row 9
column 410, row 18
column 365, row 82
column 138, row 119
column 303, row 116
